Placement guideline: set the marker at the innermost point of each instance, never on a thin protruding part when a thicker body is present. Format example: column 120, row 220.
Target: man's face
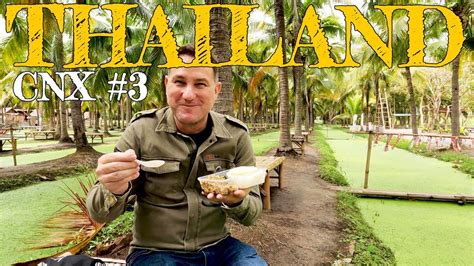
column 191, row 93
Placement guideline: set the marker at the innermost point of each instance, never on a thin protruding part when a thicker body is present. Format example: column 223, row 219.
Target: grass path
column 21, row 210
column 413, row 230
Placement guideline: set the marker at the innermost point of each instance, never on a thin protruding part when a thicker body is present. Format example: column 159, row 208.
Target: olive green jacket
column 170, row 211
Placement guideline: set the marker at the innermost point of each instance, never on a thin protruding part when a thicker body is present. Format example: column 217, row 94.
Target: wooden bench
column 6, row 136
column 94, row 135
column 305, row 135
column 298, row 144
column 45, row 133
column 274, row 167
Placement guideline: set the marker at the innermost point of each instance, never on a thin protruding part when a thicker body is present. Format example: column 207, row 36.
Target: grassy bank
column 461, row 161
column 8, row 184
column 368, row 249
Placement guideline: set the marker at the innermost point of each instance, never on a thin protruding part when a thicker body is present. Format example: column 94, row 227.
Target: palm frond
column 72, row 228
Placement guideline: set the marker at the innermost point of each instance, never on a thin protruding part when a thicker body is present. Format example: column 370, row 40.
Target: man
column 175, row 223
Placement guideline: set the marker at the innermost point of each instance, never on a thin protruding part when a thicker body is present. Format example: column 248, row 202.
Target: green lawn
column 413, row 230
column 262, row 143
column 23, row 209
column 34, row 157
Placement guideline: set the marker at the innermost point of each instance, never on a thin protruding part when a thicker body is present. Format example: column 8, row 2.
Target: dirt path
column 301, row 229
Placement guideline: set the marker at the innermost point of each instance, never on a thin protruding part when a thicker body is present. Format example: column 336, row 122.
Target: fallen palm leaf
column 73, row 228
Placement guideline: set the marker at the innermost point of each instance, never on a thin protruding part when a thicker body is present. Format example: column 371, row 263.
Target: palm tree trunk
column 40, row 115
column 411, row 92
column 129, row 110
column 220, row 41
column 241, row 104
column 297, row 71
column 309, row 109
column 422, row 117
column 64, row 137
column 111, row 117
column 52, row 125
column 122, row 115
column 455, row 107
column 57, row 110
column 96, row 116
column 285, row 147
column 80, row 138
column 78, row 126
column 105, row 119
column 62, row 112
column 91, row 116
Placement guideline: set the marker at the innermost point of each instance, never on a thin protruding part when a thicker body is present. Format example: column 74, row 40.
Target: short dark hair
column 189, row 50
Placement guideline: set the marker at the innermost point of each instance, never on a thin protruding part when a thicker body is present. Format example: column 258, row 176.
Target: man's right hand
column 115, row 170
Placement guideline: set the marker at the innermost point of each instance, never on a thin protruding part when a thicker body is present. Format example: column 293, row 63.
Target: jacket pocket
column 168, row 167
column 218, row 165
column 164, row 184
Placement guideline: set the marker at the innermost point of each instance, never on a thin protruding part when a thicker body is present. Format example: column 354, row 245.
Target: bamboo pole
column 13, row 142
column 369, row 193
column 367, row 163
column 14, row 151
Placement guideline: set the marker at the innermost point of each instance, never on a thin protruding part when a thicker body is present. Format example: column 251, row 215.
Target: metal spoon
column 152, row 163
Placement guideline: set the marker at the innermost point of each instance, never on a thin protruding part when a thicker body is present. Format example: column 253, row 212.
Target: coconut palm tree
column 463, row 9
column 285, row 146
column 220, row 40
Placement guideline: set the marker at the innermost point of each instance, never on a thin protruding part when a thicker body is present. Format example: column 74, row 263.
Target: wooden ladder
column 383, row 111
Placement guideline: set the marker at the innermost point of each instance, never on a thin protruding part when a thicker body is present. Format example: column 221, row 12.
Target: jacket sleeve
column 250, row 208
column 103, row 206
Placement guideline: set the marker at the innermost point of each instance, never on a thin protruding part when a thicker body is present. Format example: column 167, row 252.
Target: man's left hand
column 231, row 199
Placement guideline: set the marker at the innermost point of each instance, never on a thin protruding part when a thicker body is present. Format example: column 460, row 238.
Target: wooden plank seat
column 94, row 135
column 274, row 167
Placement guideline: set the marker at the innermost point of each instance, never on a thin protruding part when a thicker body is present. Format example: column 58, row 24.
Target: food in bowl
column 226, row 182
column 218, row 184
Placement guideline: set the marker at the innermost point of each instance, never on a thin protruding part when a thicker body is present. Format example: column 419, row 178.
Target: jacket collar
column 166, row 123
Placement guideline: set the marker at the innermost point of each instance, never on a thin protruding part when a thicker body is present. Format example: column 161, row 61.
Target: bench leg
column 280, row 176
column 266, row 188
